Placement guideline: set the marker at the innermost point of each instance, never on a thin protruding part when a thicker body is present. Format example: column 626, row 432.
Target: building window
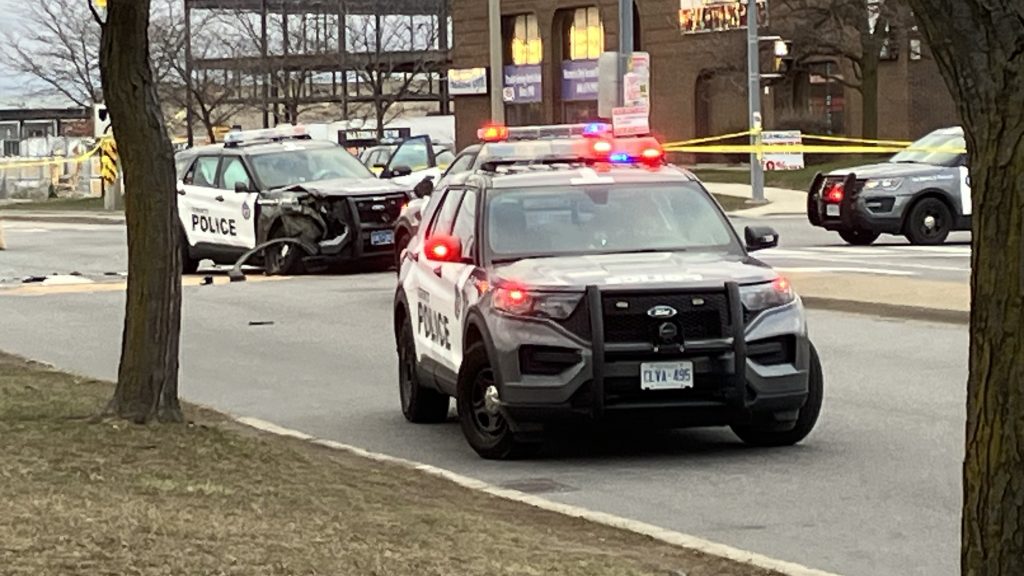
column 527, row 47
column 586, row 34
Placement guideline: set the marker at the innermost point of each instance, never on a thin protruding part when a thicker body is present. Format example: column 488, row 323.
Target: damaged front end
column 321, row 227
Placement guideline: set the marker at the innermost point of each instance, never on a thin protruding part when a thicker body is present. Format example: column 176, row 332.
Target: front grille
column 335, row 212
column 378, row 211
column 546, row 360
column 699, row 316
column 773, row 351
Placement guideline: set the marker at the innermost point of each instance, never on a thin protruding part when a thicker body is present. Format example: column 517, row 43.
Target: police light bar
column 497, row 133
column 283, row 132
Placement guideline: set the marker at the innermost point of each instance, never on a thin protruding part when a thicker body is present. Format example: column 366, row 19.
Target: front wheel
column 858, row 236
column 401, row 242
column 929, row 223
column 419, row 405
column 281, row 259
column 483, row 425
column 765, row 435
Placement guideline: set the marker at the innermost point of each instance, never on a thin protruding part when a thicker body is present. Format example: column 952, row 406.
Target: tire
column 763, row 435
column 929, row 222
column 487, row 433
column 419, row 405
column 281, row 259
column 858, row 236
column 401, row 241
column 189, row 265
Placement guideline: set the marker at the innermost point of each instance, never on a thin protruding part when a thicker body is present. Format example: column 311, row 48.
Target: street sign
column 609, row 86
column 100, row 120
column 631, row 121
column 637, row 83
column 467, row 81
column 780, row 160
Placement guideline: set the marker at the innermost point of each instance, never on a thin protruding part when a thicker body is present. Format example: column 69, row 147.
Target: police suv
column 604, row 284
column 278, row 195
column 923, row 193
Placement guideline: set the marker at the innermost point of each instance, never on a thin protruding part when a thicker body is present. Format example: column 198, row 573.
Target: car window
column 234, row 172
column 446, row 214
column 203, row 172
column 298, row 166
column 413, row 153
column 581, row 220
column 461, row 164
column 940, row 148
column 465, row 223
column 444, row 158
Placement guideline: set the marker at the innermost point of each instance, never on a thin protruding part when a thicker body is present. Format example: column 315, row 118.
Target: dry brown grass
column 79, row 496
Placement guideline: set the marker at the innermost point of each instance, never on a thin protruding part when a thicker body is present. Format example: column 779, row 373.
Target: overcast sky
column 11, row 11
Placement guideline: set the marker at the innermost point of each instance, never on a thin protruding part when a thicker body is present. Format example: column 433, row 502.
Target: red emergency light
column 493, row 133
column 834, row 192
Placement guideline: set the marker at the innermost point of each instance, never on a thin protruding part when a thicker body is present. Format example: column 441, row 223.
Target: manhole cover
column 538, row 486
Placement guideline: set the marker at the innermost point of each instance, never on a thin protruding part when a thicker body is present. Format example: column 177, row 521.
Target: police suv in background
column 278, row 195
column 923, row 193
column 602, row 285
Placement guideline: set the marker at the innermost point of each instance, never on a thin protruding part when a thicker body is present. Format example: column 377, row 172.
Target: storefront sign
column 717, row 15
column 579, row 80
column 631, row 121
column 774, row 160
column 467, row 82
column 523, row 84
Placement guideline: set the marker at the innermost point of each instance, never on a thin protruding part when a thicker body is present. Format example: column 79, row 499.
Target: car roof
column 257, row 149
column 537, row 176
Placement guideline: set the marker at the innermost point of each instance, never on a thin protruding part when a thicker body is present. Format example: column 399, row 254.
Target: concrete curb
column 901, row 311
column 660, row 534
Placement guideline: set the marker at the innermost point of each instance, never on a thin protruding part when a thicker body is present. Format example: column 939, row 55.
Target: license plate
column 666, row 376
column 832, row 210
column 382, row 238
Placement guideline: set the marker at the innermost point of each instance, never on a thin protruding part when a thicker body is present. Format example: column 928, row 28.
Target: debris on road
column 261, row 323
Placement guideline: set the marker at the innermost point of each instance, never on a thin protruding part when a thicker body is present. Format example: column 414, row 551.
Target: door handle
column 219, row 198
column 181, row 192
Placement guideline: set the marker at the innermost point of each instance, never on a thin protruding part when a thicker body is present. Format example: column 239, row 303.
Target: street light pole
column 625, row 44
column 754, row 89
column 497, row 62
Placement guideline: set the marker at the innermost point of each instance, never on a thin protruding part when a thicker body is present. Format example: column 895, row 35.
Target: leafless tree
column 856, row 34
column 398, row 53
column 58, row 45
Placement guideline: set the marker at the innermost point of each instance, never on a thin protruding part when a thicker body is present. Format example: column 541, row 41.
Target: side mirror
column 424, row 188
column 442, row 248
column 242, row 187
column 761, row 238
column 399, row 171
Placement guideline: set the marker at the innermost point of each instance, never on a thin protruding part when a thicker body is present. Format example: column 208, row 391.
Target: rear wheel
column 420, row 405
column 858, row 236
column 281, row 259
column 929, row 222
column 189, row 265
column 766, row 434
column 483, row 425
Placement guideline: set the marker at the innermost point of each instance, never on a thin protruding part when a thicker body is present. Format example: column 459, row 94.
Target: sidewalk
column 780, row 200
column 914, row 299
column 63, row 216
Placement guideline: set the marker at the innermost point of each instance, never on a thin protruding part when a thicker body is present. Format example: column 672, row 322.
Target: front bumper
column 878, row 212
column 349, row 228
column 757, row 367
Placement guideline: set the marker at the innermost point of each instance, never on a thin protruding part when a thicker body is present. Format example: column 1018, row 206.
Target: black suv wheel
column 420, row 405
column 766, row 435
column 929, row 222
column 858, row 236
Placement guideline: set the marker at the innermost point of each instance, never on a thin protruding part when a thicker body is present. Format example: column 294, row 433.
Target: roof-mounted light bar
column 237, row 138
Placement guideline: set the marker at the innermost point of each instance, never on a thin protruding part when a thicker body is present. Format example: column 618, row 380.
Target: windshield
column 291, row 167
column 580, row 220
column 954, row 144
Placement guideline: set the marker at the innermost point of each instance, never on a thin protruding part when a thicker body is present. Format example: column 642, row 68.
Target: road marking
column 667, row 536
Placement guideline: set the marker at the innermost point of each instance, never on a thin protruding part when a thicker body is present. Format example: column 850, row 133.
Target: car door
column 235, row 204
column 459, row 276
column 433, row 296
column 196, row 204
column 415, row 155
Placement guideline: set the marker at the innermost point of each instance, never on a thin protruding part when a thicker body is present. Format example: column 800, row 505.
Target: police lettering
column 222, row 226
column 434, row 326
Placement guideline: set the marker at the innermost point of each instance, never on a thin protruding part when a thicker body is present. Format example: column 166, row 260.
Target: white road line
column 649, row 530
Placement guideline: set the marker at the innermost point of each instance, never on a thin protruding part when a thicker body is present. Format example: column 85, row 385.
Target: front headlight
column 760, row 297
column 521, row 302
column 883, row 184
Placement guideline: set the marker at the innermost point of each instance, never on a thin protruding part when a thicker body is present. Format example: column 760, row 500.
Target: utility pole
column 497, row 62
column 754, row 89
column 625, row 44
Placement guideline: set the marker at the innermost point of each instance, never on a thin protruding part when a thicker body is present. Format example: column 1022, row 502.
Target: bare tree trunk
column 147, row 379
column 869, row 95
column 977, row 46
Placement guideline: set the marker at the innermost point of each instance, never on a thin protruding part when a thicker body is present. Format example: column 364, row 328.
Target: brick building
column 698, row 75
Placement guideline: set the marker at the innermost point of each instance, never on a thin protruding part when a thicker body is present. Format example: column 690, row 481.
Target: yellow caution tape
column 902, row 143
column 808, row 149
column 708, row 139
column 52, row 161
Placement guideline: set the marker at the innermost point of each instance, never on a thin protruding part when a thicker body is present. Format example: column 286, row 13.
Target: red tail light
column 652, row 154
column 834, row 192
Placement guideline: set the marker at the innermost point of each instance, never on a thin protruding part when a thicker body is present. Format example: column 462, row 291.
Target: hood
column 348, row 187
column 654, row 270
column 890, row 170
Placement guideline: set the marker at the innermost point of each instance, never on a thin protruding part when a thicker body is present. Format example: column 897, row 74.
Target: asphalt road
column 804, row 248
column 874, row 491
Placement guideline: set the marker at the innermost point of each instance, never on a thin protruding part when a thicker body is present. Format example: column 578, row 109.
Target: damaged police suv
column 280, row 197
column 602, row 287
